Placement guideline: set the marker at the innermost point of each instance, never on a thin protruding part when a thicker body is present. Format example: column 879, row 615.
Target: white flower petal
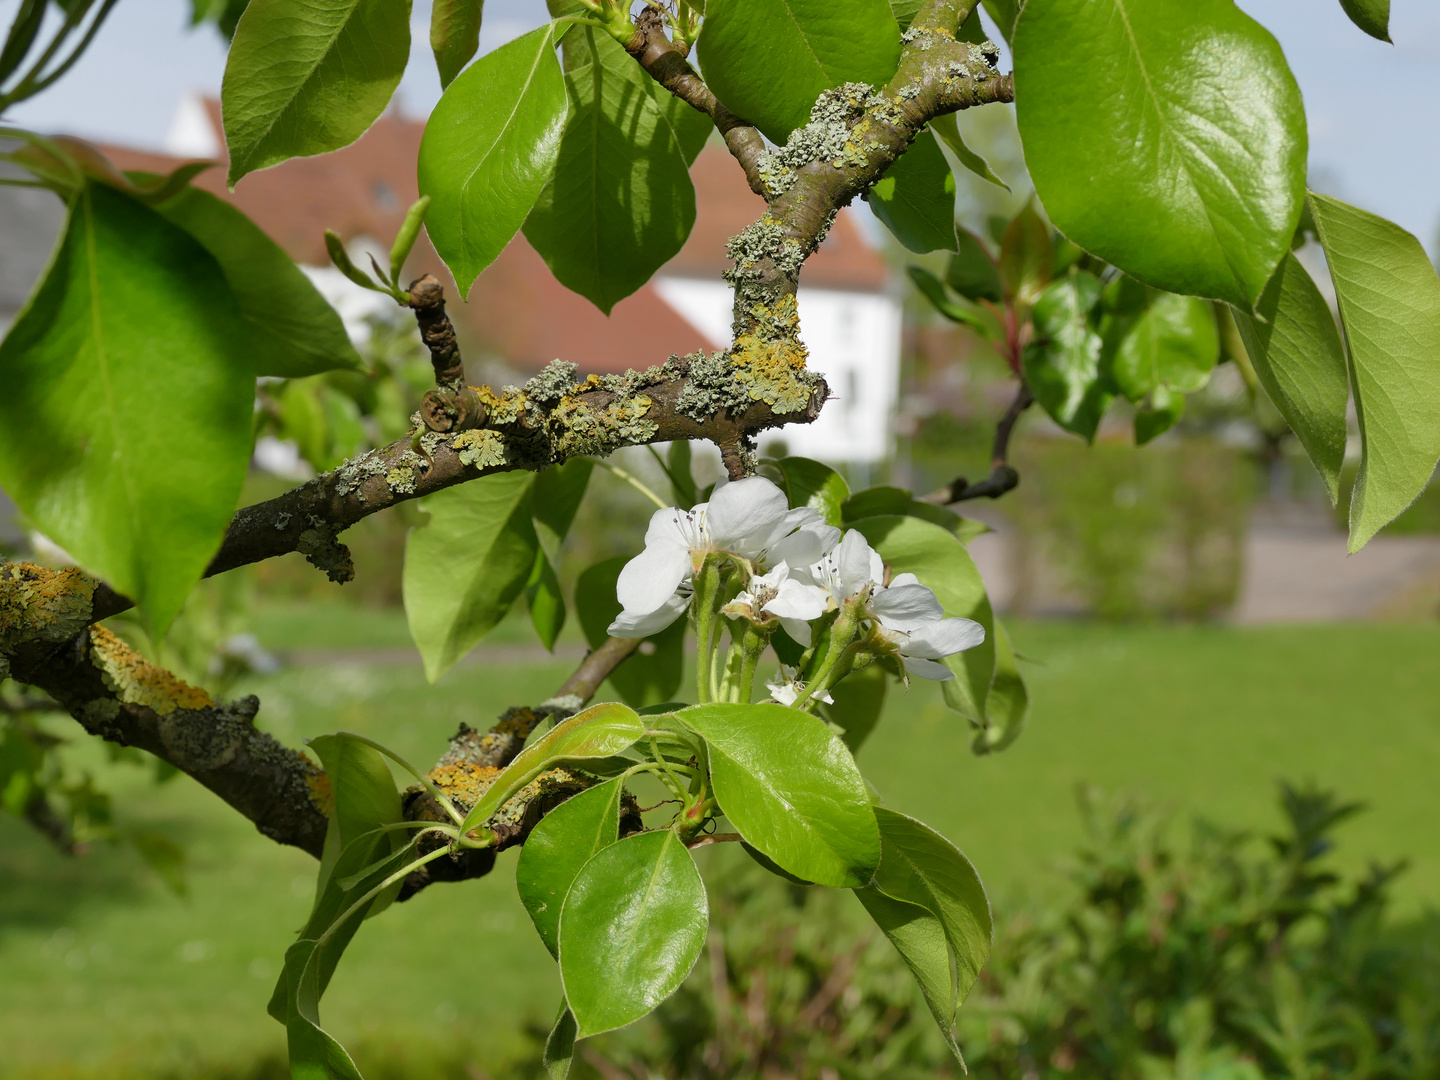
column 651, row 578
column 906, row 607
column 743, row 508
column 783, row 692
column 927, row 669
column 903, row 579
column 672, row 526
column 799, row 630
column 806, row 546
column 856, row 564
column 945, row 637
column 798, row 601
column 643, row 624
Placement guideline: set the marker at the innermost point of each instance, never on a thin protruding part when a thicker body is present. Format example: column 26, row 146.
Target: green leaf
column 1005, row 13
column 1160, row 412
column 971, row 271
column 1062, row 367
column 307, row 80
column 620, row 203
column 24, row 28
column 1372, row 16
column 294, row 332
column 1300, row 361
column 859, row 700
column 681, row 473
column 601, row 731
column 1027, row 257
column 467, row 564
column 488, row 150
column 877, row 501
column 559, row 490
column 361, row 784
column 558, row 847
column 936, row 557
column 1148, row 148
column 933, row 290
column 406, row 237
column 790, row 787
column 948, row 128
column 633, row 925
column 1389, row 301
column 916, row 197
column 560, row 1045
column 650, row 675
column 125, row 422
column 546, row 600
column 689, row 127
column 314, row 1053
column 809, row 483
column 768, row 60
column 1173, row 343
column 1008, row 706
column 454, row 35
column 937, row 915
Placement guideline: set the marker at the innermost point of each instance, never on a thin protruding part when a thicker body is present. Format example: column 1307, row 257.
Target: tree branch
column 1003, row 476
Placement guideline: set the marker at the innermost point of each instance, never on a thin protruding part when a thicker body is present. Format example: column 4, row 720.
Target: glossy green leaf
column 936, row 557
column 489, row 149
column 24, row 27
column 1008, row 706
column 632, row 927
column 1173, row 343
column 454, row 35
column 947, row 127
column 307, row 79
column 1389, row 300
column 601, row 731
column 1027, row 257
column 405, row 238
column 467, row 564
column 689, row 127
column 877, row 501
column 971, row 271
column 933, row 289
column 558, row 493
column 1062, row 367
column 859, row 700
column 1166, row 137
column 939, row 919
column 294, row 331
column 791, row 789
column 128, row 393
column 546, row 600
column 620, row 203
column 1372, row 16
column 678, row 467
column 915, row 199
column 810, row 483
column 558, row 847
column 652, row 673
column 905, row 11
column 360, row 783
column 560, row 1046
column 314, row 1052
column 1299, row 359
column 1160, row 411
column 768, row 60
column 1005, row 13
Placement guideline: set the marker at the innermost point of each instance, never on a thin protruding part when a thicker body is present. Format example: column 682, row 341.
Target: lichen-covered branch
column 666, row 64
column 48, row 640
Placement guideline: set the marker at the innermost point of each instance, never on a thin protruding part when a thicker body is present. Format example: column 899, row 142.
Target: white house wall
column 854, row 341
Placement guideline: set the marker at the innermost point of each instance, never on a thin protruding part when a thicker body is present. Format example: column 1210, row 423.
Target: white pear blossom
column 787, row 687
column 749, row 518
column 909, row 618
column 781, row 596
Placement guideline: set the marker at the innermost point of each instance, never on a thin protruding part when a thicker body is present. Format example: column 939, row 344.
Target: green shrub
column 1158, row 533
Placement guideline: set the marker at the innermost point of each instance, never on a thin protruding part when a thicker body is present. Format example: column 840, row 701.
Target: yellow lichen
column 39, row 604
column 482, row 449
column 464, row 783
column 769, row 358
column 322, row 795
column 136, row 681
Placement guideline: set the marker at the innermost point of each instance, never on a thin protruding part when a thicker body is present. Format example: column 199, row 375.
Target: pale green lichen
column 350, row 476
column 42, row 605
column 480, row 449
column 710, row 387
column 768, row 360
column 556, row 380
column 826, row 138
column 584, row 429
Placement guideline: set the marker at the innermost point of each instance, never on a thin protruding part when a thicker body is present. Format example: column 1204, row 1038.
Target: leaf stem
column 634, row 481
column 425, row 782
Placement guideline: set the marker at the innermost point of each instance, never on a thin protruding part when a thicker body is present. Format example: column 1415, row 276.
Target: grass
column 106, row 974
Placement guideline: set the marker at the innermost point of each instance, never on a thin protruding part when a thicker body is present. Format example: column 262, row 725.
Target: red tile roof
column 516, row 308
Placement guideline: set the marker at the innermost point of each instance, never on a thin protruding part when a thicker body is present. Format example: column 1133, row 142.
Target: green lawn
column 102, row 973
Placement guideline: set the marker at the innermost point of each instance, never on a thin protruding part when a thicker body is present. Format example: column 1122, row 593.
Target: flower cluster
column 746, row 554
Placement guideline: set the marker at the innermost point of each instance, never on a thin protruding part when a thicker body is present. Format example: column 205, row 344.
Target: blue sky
column 1374, row 109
